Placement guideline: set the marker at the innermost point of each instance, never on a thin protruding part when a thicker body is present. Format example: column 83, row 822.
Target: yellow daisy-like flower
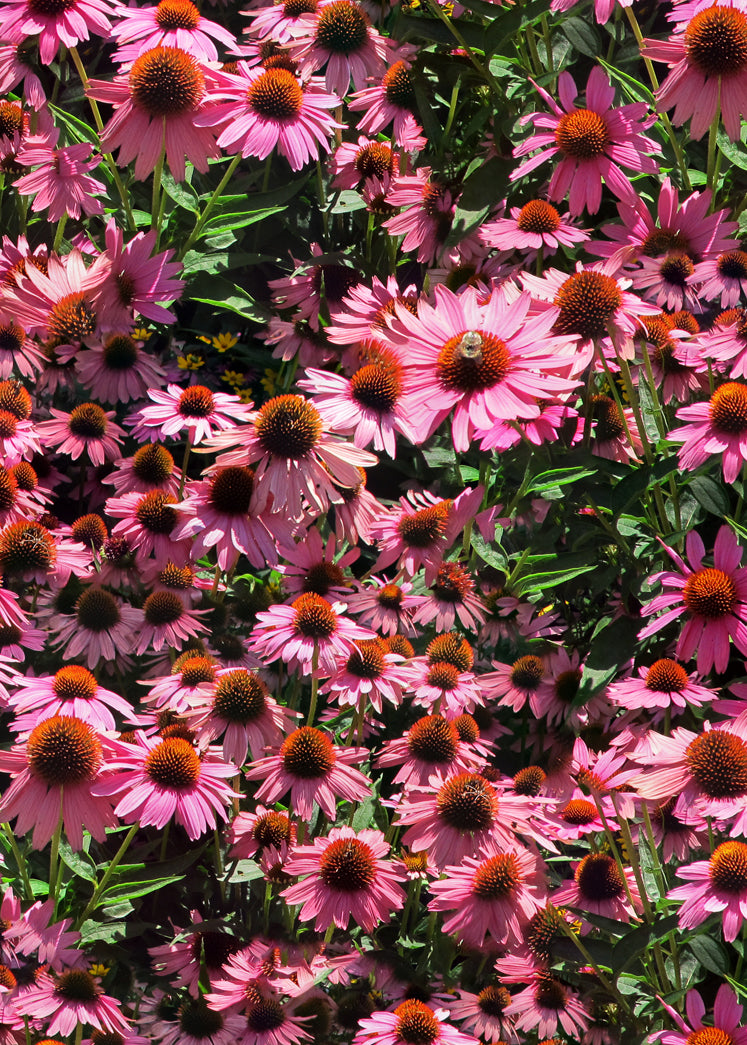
column 224, row 341
column 190, row 362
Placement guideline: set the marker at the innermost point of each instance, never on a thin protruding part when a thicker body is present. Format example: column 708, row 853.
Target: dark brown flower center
column 450, row 649
column 587, row 301
column 467, row 802
column 582, row 134
column 661, row 241
column 493, row 1000
column 63, row 750
column 240, row 696
column 667, row 676
column 90, row 530
column 71, row 320
column 423, row 528
column 390, row 596
column 416, row 1024
column 374, row 160
column 315, row 618
column 196, row 401
column 377, row 386
column 120, row 353
column 538, row 216
column 398, row 87
column 367, row 659
column 97, row 610
column 155, row 514
column 529, row 781
column 566, row 685
column 231, row 490
column 608, row 419
column 322, row 577
column 579, row 812
column 598, row 877
column 294, row 8
column 728, row 408
column 74, row 683
column 10, row 635
column 347, row 865
column 162, row 608
column 729, row 867
column 733, row 264
column 173, row 764
column 676, row 268
column 473, row 361
column 716, row 41
column 15, row 399
column 177, row 14
column 271, row 829
column 26, row 546
column 166, row 81
column 527, row 673
column 453, row 582
column 196, row 1020
column 88, row 421
column 288, row 426
column 342, row 27
column 544, row 930
column 433, row 739
column 11, row 337
column 550, row 993
column 25, row 476
column 77, row 985
column 307, row 753
column 718, row 762
column 497, row 877
column 152, row 464
column 265, row 1014
column 276, row 94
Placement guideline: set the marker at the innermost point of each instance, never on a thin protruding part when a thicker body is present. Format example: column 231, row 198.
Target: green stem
column 164, row 843
column 59, row 233
column 601, row 976
column 185, row 462
column 157, row 178
column 452, row 111
column 20, row 863
column 266, row 175
column 116, row 860
column 314, row 684
column 54, row 861
column 713, row 153
column 200, row 223
column 439, row 12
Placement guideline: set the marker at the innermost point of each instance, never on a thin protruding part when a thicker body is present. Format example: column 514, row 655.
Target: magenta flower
column 718, row 426
column 484, row 1014
column 727, row 1017
column 393, row 100
column 718, row 885
column 364, row 310
column 348, row 877
column 99, row 628
column 546, row 1003
column 411, row 1021
column 430, row 751
column 339, row 35
column 599, row 887
column 713, row 598
column 592, row 143
column 535, row 225
column 156, row 102
column 73, row 691
column 194, row 410
column 171, row 23
column 314, row 770
column 165, row 779
column 87, row 429
column 56, row 304
column 61, row 181
column 427, row 216
column 57, row 24
column 665, row 684
column 71, row 998
column 271, row 109
column 117, row 370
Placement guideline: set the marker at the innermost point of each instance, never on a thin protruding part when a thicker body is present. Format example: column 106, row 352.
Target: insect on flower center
column 729, row 867
column 374, row 160
column 451, row 649
column 307, row 753
column 667, row 676
column 709, row 1036
column 453, row 582
column 497, row 877
column 231, row 490
column 77, row 985
column 63, row 750
column 579, row 812
column 152, row 464
column 271, row 829
column 347, row 865
column 74, row 683
column 314, row 617
column 416, row 1023
column 376, row 386
column 177, row 14
column 88, row 421
column 162, row 608
column 718, row 762
column 367, row 659
column 26, row 546
column 342, row 27
column 587, row 301
column 598, row 877
column 166, row 81
column 473, row 361
column 71, row 320
column 173, row 764
column 716, row 41
column 97, row 610
column 433, row 739
column 527, row 673
column 276, row 94
column 538, row 216
column 728, row 408
column 120, row 353
column 241, row 696
column 288, row 426
column 423, row 528
column 265, row 1015
column 155, row 514
column 529, row 781
column 676, row 268
column 467, row 802
column 582, row 134
column 493, row 1000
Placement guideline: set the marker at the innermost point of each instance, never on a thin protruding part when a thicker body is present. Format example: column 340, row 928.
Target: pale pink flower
column 70, row 998
column 409, row 1020
column 72, row 690
column 67, row 24
column 171, row 23
column 535, row 225
column 86, row 430
column 339, row 35
column 717, row 885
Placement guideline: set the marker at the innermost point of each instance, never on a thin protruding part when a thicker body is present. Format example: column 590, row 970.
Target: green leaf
column 484, row 185
column 611, row 646
column 246, row 871
column 181, row 193
column 83, row 868
column 131, row 890
column 491, row 553
column 735, row 152
column 236, row 220
column 565, row 569
column 552, row 480
column 710, row 495
column 236, row 300
column 583, row 36
column 710, row 954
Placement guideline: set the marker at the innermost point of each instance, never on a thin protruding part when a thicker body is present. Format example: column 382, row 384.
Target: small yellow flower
column 225, row 341
column 141, row 334
column 205, row 340
column 98, row 969
column 234, row 379
column 269, row 381
column 244, row 394
column 190, row 362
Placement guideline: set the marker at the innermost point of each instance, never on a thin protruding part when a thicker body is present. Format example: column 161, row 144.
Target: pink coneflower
column 615, row 434
column 545, row 1003
column 72, row 690
column 391, row 100
column 117, row 370
column 665, row 684
column 17, row 351
column 600, row 888
column 86, row 430
column 677, row 370
column 17, row 639
column 365, row 310
column 190, row 684
column 148, row 523
column 310, row 628
column 194, row 410
column 280, row 21
column 668, row 280
column 484, row 1013
column 156, row 101
column 719, row 884
column 182, row 960
column 429, row 752
column 16, row 68
column 356, row 512
column 61, row 24
column 167, row 621
column 30, row 551
column 196, row 1024
column 298, row 460
column 704, row 82
column 603, row 10
column 716, row 427
column 217, row 514
column 452, row 596
column 100, row 628
column 592, row 143
column 171, row 23
column 54, row 772
column 264, row 828
column 428, row 215
column 71, row 998
column 724, row 277
column 369, row 404
column 370, row 674
column 512, row 685
column 167, row 778
column 271, row 109
column 339, row 35
column 487, row 362
column 61, row 182
column 313, row 567
column 713, row 598
column 150, row 468
column 366, row 158
column 242, row 711
column 537, row 225
column 314, row 770
column 496, row 895
column 727, row 1017
column 412, row 1023
column 348, row 877
column 57, row 305
column 385, row 606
